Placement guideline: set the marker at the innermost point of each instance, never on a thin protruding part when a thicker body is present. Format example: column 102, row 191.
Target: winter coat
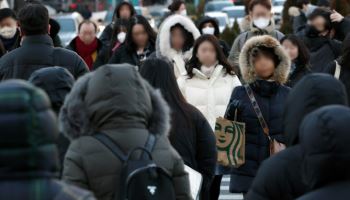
column 94, row 55
column 271, row 97
column 244, row 37
column 322, row 51
column 344, row 74
column 57, row 83
column 106, row 35
column 122, row 105
column 163, row 46
column 123, row 55
column 29, row 157
column 194, row 139
column 224, row 46
column 279, row 177
column 325, row 146
column 210, row 96
column 7, row 45
column 297, row 74
column 38, row 52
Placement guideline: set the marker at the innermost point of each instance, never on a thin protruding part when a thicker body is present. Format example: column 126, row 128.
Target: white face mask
column 261, row 22
column 208, row 30
column 183, row 12
column 121, row 37
column 8, row 32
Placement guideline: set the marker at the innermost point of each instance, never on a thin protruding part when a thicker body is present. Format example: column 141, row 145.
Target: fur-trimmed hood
column 245, row 59
column 163, row 46
column 113, row 96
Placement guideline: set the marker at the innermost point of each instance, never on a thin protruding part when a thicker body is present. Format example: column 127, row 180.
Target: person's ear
column 49, row 29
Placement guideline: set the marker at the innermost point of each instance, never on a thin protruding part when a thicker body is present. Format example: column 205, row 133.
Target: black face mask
column 311, row 31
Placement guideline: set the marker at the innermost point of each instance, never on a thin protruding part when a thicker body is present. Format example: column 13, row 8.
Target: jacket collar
column 37, row 39
column 214, row 76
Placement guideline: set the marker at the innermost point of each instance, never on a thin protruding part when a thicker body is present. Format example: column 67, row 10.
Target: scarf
column 86, row 51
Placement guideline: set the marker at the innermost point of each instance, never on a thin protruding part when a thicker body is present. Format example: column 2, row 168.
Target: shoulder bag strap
column 257, row 110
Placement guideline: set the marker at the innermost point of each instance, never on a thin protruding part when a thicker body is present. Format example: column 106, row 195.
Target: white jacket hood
column 163, row 46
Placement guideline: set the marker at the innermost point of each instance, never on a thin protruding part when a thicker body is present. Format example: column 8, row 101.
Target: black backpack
column 140, row 178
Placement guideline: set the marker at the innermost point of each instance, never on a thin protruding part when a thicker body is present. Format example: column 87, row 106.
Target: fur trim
column 245, row 60
column 74, row 121
column 163, row 46
column 293, row 11
column 245, row 24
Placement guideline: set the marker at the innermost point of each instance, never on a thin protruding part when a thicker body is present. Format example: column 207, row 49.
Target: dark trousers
column 215, row 188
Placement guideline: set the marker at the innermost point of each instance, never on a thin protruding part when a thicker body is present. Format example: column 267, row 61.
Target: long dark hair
column 220, row 56
column 345, row 56
column 160, row 74
column 303, row 58
column 138, row 19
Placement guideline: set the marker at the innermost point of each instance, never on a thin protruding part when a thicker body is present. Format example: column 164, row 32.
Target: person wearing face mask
column 209, row 25
column 262, row 23
column 318, row 37
column 120, row 27
column 175, row 41
column 176, row 7
column 9, row 33
column 86, row 44
column 265, row 67
column 124, row 10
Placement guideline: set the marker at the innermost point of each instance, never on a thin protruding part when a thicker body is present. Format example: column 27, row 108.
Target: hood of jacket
column 246, row 64
column 55, row 81
column 309, row 94
column 113, row 96
column 28, row 132
column 163, row 46
column 324, row 141
column 207, row 19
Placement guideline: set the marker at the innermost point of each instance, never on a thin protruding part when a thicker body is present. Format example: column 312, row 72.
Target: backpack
column 140, row 178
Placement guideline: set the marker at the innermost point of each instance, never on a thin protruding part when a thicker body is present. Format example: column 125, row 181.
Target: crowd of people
column 68, row 115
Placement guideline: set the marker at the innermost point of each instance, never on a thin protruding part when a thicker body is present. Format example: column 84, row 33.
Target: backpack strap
column 112, row 146
column 257, row 110
column 337, row 70
column 149, row 146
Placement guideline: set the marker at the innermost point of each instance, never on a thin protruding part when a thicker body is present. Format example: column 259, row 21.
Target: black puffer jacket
column 297, row 74
column 57, row 83
column 28, row 155
column 123, row 55
column 279, row 177
column 322, row 51
column 325, row 143
column 38, row 52
column 271, row 97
